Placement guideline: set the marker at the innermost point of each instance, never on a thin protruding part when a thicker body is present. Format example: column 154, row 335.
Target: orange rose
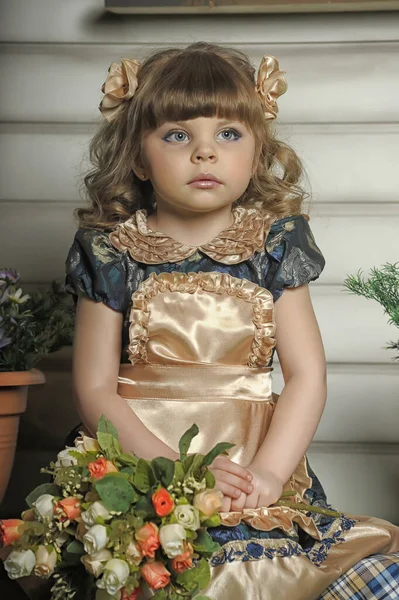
column 148, row 539
column 155, row 574
column 134, row 595
column 9, row 530
column 184, row 561
column 163, row 502
column 69, row 508
column 101, row 467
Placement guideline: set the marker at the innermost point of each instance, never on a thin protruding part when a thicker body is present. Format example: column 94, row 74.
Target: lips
column 206, row 177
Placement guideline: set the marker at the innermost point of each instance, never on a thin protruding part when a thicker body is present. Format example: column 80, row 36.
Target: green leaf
column 144, row 508
column 107, row 437
column 128, row 459
column 115, row 491
column 198, row 577
column 83, row 459
column 144, row 476
column 179, row 472
column 105, row 426
column 202, row 598
column 209, row 479
column 213, row 521
column 44, row 488
column 75, row 547
column 196, row 465
column 188, row 461
column 33, row 528
column 205, row 544
column 185, row 440
column 164, row 469
column 220, row 448
column 160, row 595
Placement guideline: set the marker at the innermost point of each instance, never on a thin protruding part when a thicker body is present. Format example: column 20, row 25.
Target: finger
column 239, row 503
column 234, row 480
column 228, row 490
column 226, row 504
column 252, row 500
column 225, row 464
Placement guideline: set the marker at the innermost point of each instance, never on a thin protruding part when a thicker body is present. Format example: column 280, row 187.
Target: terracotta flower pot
column 13, row 397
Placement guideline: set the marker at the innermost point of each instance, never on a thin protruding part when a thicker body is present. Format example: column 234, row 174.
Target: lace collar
column 233, row 245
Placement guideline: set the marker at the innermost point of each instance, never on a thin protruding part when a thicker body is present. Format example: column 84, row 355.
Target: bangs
column 199, row 84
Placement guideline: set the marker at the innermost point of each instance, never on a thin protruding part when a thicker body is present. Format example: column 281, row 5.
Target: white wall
column 340, row 113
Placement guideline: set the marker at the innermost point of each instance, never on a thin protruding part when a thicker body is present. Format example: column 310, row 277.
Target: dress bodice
column 197, row 318
column 257, row 249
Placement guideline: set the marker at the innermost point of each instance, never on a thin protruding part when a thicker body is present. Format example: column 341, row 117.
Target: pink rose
column 9, row 530
column 148, row 539
column 155, row 574
column 68, row 508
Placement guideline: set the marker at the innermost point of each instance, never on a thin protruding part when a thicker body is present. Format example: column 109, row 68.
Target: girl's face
column 177, row 152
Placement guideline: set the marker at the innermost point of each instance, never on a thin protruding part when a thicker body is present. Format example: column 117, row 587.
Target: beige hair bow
column 270, row 85
column 121, row 84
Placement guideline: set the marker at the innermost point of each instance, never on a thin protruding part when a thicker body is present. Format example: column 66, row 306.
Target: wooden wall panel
column 344, row 164
column 361, row 403
column 328, row 82
column 86, row 21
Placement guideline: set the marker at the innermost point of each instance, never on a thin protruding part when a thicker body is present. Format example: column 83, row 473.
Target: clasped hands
column 245, row 487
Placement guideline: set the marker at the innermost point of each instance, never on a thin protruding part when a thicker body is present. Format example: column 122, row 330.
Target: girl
column 192, row 267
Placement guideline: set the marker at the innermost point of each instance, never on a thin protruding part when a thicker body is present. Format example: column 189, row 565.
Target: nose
column 204, row 151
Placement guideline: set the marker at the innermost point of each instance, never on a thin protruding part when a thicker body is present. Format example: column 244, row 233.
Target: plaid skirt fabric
column 373, row 578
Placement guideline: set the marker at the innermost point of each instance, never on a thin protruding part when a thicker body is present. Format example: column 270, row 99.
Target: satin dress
column 198, row 345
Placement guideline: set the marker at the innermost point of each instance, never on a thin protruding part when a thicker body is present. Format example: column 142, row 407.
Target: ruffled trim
column 280, row 517
column 233, row 245
column 257, row 549
column 213, row 282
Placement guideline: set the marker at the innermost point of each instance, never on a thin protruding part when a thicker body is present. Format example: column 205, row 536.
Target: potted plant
column 31, row 326
column 382, row 286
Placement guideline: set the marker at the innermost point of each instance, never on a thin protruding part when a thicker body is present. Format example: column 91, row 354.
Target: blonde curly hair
column 201, row 80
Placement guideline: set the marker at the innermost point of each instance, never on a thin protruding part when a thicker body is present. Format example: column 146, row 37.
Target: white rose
column 97, row 509
column 94, row 564
column 44, row 507
column 64, row 458
column 61, row 539
column 171, row 538
column 188, row 516
column 46, row 559
column 95, row 539
column 84, row 444
column 20, row 563
column 90, row 444
column 115, row 573
column 133, row 554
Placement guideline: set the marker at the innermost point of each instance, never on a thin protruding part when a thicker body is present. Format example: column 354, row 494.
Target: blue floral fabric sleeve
column 96, row 269
column 295, row 258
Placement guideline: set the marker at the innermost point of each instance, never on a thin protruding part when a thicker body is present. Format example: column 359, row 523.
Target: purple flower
column 9, row 276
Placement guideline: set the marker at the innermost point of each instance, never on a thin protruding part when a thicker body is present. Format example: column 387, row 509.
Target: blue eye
column 177, row 133
column 180, row 135
column 230, row 130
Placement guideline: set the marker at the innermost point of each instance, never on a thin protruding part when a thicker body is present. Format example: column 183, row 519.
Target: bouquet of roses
column 114, row 526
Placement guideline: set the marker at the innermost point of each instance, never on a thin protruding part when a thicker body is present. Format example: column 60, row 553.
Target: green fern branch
column 382, row 285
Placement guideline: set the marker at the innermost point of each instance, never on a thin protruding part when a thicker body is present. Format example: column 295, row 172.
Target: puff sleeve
column 96, row 269
column 294, row 257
